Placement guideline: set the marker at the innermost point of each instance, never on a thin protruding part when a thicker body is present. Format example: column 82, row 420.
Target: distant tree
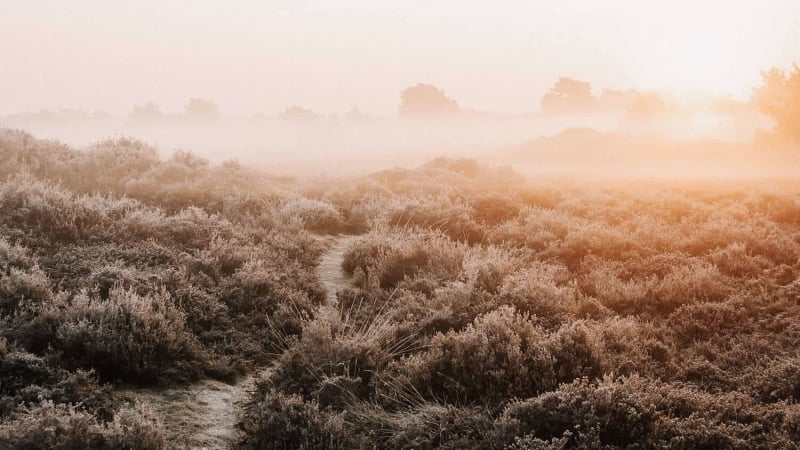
column 355, row 114
column 148, row 111
column 199, row 109
column 647, row 105
column 425, row 100
column 779, row 97
column 616, row 100
column 298, row 114
column 568, row 96
column 727, row 106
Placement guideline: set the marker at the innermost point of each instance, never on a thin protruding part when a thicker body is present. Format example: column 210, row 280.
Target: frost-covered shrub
column 494, row 210
column 316, row 215
column 52, row 426
column 492, row 359
column 274, row 420
column 540, row 289
column 690, row 281
column 336, row 354
column 134, row 338
column 639, row 412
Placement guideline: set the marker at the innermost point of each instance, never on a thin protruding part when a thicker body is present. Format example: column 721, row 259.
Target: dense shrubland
column 118, row 267
column 486, row 311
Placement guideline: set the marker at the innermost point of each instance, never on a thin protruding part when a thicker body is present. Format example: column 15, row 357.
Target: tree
column 779, row 98
column 568, row 96
column 298, row 114
column 149, row 111
column 199, row 109
column 647, row 105
column 425, row 100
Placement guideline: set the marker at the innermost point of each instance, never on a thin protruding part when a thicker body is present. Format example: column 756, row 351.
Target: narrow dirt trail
column 330, row 266
column 203, row 415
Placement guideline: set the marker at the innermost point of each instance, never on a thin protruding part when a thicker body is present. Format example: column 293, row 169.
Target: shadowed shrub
column 51, row 426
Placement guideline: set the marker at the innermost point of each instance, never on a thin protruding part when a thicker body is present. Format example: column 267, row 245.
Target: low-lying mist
column 534, row 143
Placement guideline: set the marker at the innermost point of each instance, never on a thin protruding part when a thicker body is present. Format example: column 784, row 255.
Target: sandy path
column 330, row 266
column 203, row 415
column 198, row 416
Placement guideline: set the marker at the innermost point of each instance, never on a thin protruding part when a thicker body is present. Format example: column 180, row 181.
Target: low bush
column 128, row 337
column 500, row 356
column 65, row 427
column 647, row 414
column 278, row 421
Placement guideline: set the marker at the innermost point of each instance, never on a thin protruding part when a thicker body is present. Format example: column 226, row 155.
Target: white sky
column 261, row 56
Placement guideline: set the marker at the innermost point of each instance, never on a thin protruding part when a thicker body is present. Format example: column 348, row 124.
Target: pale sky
column 262, row 56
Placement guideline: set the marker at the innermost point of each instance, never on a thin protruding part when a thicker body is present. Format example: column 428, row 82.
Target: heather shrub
column 596, row 240
column 637, row 412
column 13, row 256
column 105, row 278
column 778, row 381
column 337, row 356
column 316, row 215
column 575, row 353
column 425, row 425
column 259, row 293
column 27, row 380
column 538, row 229
column 540, row 197
column 652, row 292
column 736, row 261
column 760, row 236
column 18, row 371
column 408, row 259
column 128, row 337
column 542, row 290
column 51, row 426
column 627, row 346
column 365, row 253
column 20, row 288
column 701, row 321
column 494, row 358
column 44, row 208
column 401, row 264
column 494, row 210
column 488, row 268
column 779, row 207
column 274, row 420
column 256, row 287
column 450, row 307
column 452, row 219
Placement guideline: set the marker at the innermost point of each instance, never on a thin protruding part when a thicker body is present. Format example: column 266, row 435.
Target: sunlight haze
column 263, row 56
column 352, row 224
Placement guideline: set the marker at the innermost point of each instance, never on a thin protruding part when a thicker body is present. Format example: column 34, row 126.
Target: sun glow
column 703, row 60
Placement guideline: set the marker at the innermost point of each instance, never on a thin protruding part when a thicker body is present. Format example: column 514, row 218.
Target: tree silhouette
column 298, row 114
column 647, row 105
column 779, row 98
column 568, row 96
column 425, row 100
column 199, row 109
column 149, row 111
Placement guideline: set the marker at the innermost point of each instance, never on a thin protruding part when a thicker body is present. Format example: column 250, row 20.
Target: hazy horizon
column 262, row 58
